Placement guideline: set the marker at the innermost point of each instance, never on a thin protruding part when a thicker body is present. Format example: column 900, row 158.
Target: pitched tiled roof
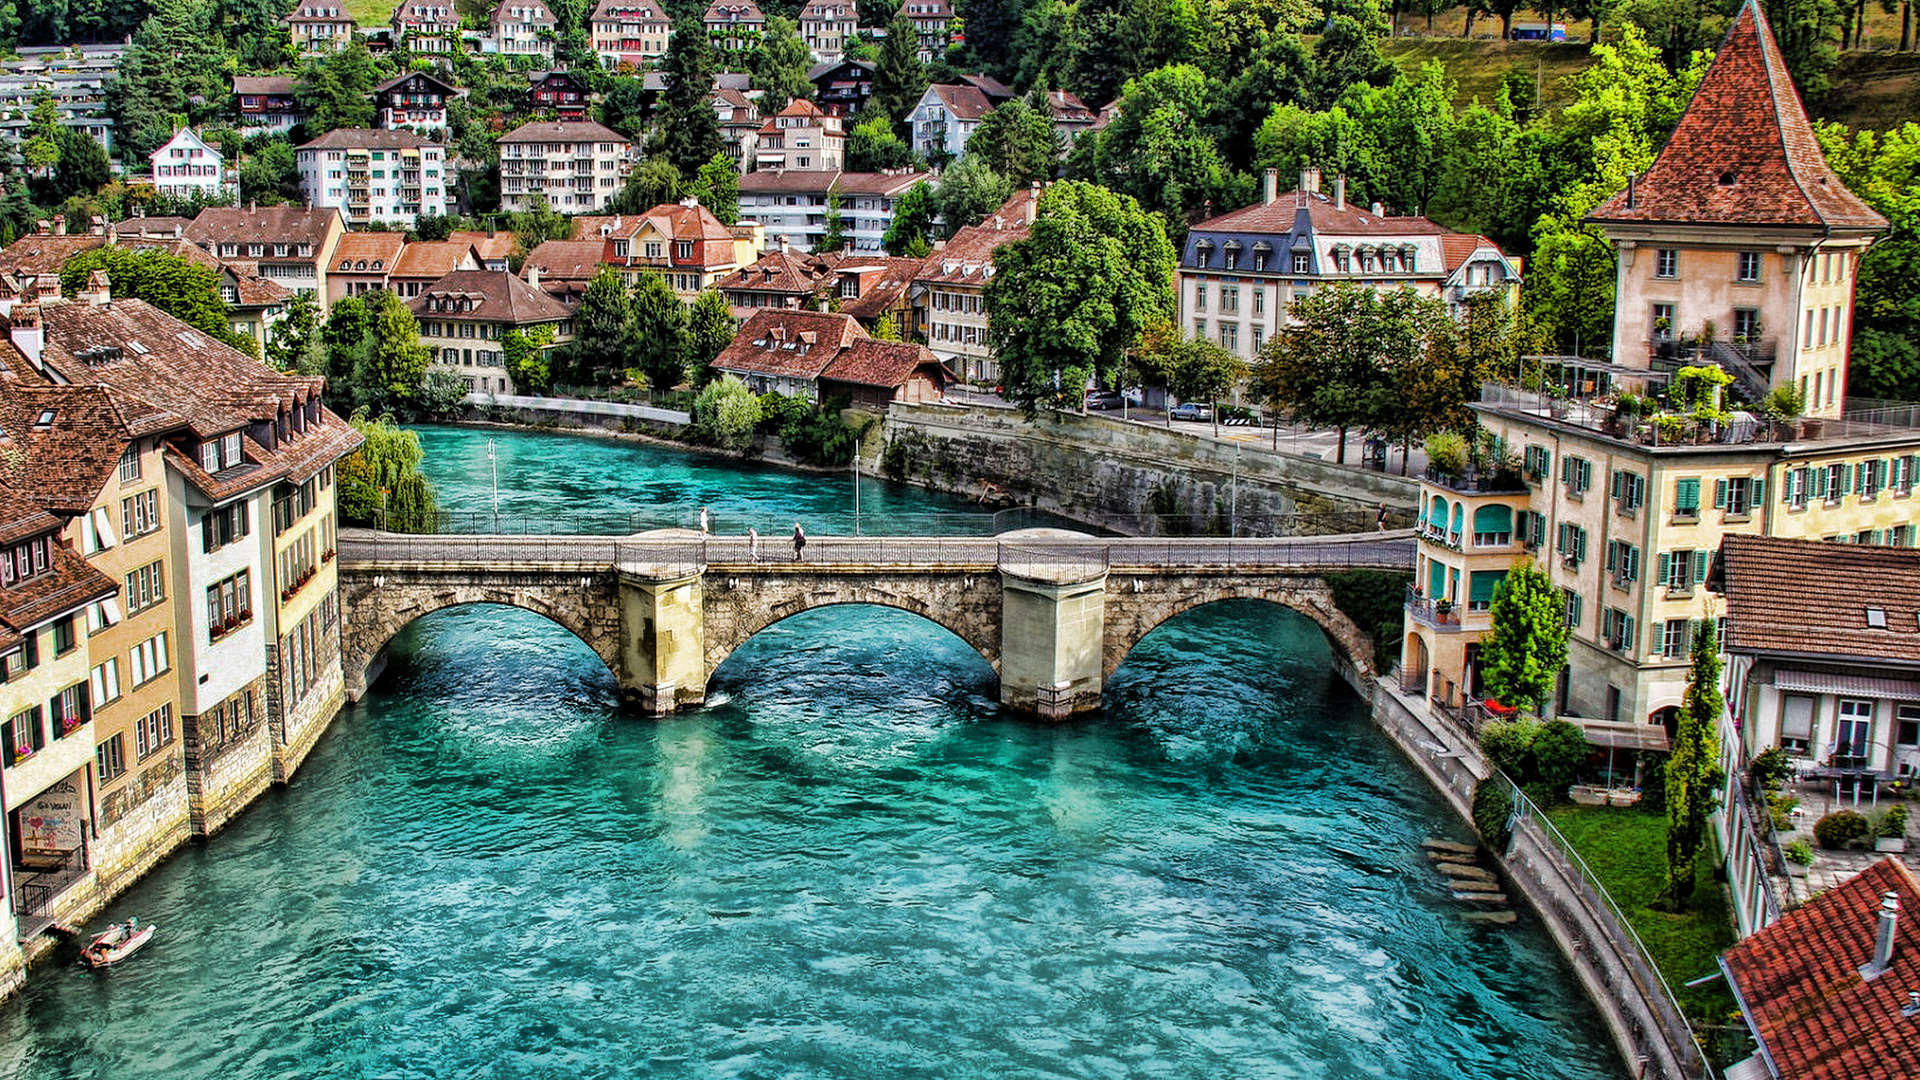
column 269, row 85
column 1810, row 598
column 883, row 280
column 963, row 102
column 265, row 224
column 494, row 245
column 733, row 11
column 965, row 257
column 988, row 85
column 569, row 260
column 780, row 271
column 445, row 86
column 150, row 226
column 495, row 295
column 71, row 457
column 1800, row 985
column 546, row 131
column 433, row 259
column 617, row 9
column 1743, row 152
column 885, row 364
column 1327, row 217
column 793, row 344
column 37, row 254
column 368, row 139
column 379, row 250
column 827, row 11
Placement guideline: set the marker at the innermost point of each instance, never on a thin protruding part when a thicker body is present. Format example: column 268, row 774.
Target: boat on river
column 118, row 942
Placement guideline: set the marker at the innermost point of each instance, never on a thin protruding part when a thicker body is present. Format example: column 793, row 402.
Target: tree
column 710, row 329
column 968, row 192
column 659, row 332
column 873, row 146
column 1018, row 140
column 910, row 233
column 726, row 412
column 717, row 186
column 779, row 65
column 337, row 91
column 1348, row 53
column 348, row 325
column 603, row 344
column 525, row 353
column 269, row 174
column 625, row 106
column 1412, row 124
column 392, row 364
column 1191, row 369
column 653, row 182
column 1693, row 765
column 689, row 128
column 1883, row 168
column 835, row 236
column 297, row 336
column 187, row 291
column 443, row 394
column 898, row 76
column 1159, row 150
column 1332, row 367
column 174, row 68
column 41, row 151
column 81, row 167
column 991, row 26
column 1522, row 654
column 380, row 484
column 1069, row 300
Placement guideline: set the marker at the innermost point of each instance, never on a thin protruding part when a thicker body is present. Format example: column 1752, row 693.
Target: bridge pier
column 663, row 650
column 1052, row 637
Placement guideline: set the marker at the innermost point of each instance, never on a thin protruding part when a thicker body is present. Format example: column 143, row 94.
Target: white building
column 392, row 176
column 186, row 166
column 793, row 206
column 944, row 119
column 578, row 168
column 521, row 28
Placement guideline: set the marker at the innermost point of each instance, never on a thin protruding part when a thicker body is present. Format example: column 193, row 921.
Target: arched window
column 1493, row 526
column 1459, row 519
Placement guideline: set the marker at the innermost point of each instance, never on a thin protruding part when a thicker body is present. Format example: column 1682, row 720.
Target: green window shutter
column 1613, row 556
column 1700, row 560
column 1849, row 474
column 1633, row 562
column 1580, row 543
column 1614, row 485
column 1759, row 490
column 1483, row 584
column 1436, row 580
column 1579, row 602
column 1819, row 484
column 1566, row 471
column 1539, row 526
column 1686, row 496
column 1719, row 494
column 1626, row 634
column 1666, row 568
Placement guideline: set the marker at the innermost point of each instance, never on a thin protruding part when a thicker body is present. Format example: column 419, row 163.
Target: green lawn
column 1478, row 66
column 1627, row 849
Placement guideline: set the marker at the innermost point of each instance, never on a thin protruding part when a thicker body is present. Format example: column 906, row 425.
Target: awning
column 1814, row 682
column 1622, row 735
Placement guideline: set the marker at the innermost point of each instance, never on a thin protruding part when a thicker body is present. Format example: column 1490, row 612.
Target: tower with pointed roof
column 1740, row 245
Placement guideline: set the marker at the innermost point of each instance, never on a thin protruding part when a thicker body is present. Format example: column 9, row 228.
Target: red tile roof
column 38, row 254
column 495, row 295
column 569, row 260
column 886, row 364
column 1800, row 984
column 790, row 344
column 1743, row 152
column 434, row 259
column 265, row 224
column 964, row 102
column 380, row 250
column 1774, row 605
column 965, row 257
column 1327, row 217
column 269, row 85
column 492, row 246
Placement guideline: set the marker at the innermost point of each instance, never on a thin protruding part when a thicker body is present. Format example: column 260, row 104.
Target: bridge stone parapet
column 1054, row 614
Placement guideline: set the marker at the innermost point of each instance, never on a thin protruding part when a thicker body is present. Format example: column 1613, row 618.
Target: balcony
column 1441, row 615
column 1473, row 481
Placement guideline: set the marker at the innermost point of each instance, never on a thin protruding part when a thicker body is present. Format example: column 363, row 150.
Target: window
column 221, row 453
column 149, row 659
column 1794, row 487
column 1663, row 322
column 153, row 731
column 64, row 638
column 1574, row 603
column 1576, row 473
column 1200, row 296
column 27, row 559
column 140, row 513
column 1629, row 490
column 1681, row 570
column 1538, row 462
column 1230, row 336
column 1686, row 498
column 130, row 464
column 1869, row 477
column 1746, row 325
column 1623, row 562
column 1736, row 495
column 1492, row 526
column 104, row 679
column 1907, row 733
column 1259, row 301
column 1748, row 269
column 1617, row 628
column 1229, row 299
column 1796, row 723
column 1835, row 481
column 70, row 708
column 229, row 605
column 1666, row 263
column 23, row 734
column 1301, row 262
column 1676, row 636
column 110, row 758
column 1856, row 728
column 146, row 586
column 1572, row 544
column 1481, row 585
column 1900, row 474
column 224, row 525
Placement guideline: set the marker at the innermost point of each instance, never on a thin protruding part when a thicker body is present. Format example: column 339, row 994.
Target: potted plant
column 1893, row 829
column 1799, row 855
column 1782, row 406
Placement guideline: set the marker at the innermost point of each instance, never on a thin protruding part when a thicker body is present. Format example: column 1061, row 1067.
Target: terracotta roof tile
column 1776, row 605
column 1743, row 153
column 967, row 254
column 792, row 344
column 1800, row 984
column 1328, row 218
column 491, row 246
column 266, row 224
column 150, row 227
column 380, row 250
column 496, row 295
column 269, row 85
column 43, row 255
column 964, row 102
column 886, row 364
column 435, row 259
column 569, row 260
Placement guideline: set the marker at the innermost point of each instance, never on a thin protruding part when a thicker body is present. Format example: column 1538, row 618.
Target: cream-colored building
column 465, row 317
column 576, row 167
column 319, row 29
column 631, row 32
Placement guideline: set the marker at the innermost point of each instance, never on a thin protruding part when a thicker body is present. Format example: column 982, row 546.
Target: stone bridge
column 1053, row 612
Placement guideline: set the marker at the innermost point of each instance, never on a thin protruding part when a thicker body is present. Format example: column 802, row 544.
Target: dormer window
column 255, row 250
column 26, row 559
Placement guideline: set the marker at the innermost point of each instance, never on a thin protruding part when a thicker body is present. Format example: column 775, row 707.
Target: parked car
column 1192, row 410
column 1104, row 400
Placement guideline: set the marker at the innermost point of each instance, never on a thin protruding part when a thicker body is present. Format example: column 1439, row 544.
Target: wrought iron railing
column 34, row 893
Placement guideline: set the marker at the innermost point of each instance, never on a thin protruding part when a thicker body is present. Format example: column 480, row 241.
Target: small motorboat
column 120, row 941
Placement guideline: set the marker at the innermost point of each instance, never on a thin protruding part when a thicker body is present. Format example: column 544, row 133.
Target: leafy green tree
column 269, row 174
column 835, row 237
column 898, row 76
column 1191, row 369
column 1348, row 53
column 1693, row 766
column 660, row 332
column 1292, row 138
column 910, row 232
column 1883, row 168
column 187, row 291
column 443, row 394
column 726, row 412
column 1159, row 150
column 991, row 26
column 41, row 151
column 380, row 484
column 1018, row 140
column 689, row 128
column 392, row 364
column 717, row 186
column 710, row 329
column 344, row 338
column 1044, row 44
column 296, row 336
column 653, row 182
column 1521, row 656
column 603, row 344
column 337, row 91
column 872, row 146
column 625, row 106
column 886, row 327
column 779, row 65
column 1069, row 300
column 1332, row 367
column 968, row 192
column 1412, row 124
column 525, row 353
column 81, row 168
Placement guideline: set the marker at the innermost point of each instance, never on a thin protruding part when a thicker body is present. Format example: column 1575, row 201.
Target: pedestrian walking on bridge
column 799, row 541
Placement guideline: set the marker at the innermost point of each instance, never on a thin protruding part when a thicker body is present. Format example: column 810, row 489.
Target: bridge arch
column 380, row 606
column 1148, row 603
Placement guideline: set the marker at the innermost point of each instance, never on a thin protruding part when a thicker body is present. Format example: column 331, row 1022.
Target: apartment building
column 576, row 167
column 1738, row 245
column 933, row 22
column 288, row 245
column 828, row 26
column 429, row 28
column 521, row 28
column 734, row 26
column 416, row 101
column 319, row 29
column 362, row 263
column 792, row 207
column 465, row 316
column 949, row 294
column 800, row 138
column 630, row 32
column 1239, row 272
column 390, row 176
column 187, row 166
column 945, row 118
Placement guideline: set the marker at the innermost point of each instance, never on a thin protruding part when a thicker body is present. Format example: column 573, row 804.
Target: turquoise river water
column 849, row 864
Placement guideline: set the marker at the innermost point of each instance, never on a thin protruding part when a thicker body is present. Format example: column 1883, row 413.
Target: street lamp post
column 856, row 493
column 493, row 461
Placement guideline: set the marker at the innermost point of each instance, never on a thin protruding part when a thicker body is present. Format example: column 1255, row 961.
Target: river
column 848, row 864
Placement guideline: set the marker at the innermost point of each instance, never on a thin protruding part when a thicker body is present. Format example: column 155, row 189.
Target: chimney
column 1033, row 201
column 59, row 224
column 1271, row 193
column 1631, row 177
column 533, row 275
column 1379, row 211
column 43, row 227
column 1310, row 180
column 96, row 226
column 250, row 207
column 1885, row 924
column 1340, row 192
column 98, row 291
column 826, row 306
column 28, row 335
